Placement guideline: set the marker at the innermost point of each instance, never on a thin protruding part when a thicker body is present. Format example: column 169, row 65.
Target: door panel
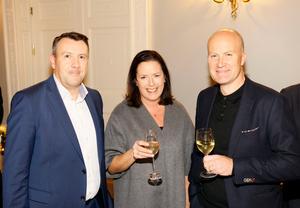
column 50, row 18
column 109, row 64
column 117, row 30
column 107, row 23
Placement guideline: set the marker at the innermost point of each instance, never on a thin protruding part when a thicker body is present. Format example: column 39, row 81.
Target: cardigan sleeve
column 189, row 131
column 115, row 143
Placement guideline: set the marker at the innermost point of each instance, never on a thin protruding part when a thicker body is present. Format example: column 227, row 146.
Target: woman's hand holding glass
column 148, row 149
column 140, row 150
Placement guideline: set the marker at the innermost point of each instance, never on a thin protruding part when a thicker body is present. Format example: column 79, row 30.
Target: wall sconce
column 234, row 6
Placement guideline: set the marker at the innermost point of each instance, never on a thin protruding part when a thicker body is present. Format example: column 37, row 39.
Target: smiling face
column 150, row 81
column 70, row 63
column 225, row 60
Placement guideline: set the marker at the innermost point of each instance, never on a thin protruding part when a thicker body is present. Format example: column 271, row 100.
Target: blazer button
column 82, row 198
column 83, row 171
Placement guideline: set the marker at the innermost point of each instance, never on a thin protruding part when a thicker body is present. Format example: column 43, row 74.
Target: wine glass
column 155, row 178
column 205, row 143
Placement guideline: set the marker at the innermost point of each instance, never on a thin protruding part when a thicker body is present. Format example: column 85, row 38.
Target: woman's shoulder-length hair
column 133, row 96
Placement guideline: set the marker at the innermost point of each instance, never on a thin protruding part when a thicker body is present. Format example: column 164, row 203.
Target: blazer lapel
column 244, row 112
column 62, row 115
column 210, row 102
column 203, row 115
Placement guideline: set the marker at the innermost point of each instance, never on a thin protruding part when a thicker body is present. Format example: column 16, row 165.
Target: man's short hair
column 71, row 35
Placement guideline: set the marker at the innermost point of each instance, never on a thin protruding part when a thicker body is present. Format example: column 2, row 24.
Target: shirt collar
column 65, row 94
column 233, row 97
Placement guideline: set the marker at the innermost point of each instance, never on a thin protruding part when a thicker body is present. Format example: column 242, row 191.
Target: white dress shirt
column 84, row 127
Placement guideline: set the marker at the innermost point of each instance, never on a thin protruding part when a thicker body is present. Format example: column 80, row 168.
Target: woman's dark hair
column 133, row 96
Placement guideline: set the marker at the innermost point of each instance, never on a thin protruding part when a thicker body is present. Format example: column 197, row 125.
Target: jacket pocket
column 38, row 195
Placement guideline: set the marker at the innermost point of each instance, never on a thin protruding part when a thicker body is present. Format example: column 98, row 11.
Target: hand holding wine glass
column 140, row 150
column 155, row 178
column 205, row 143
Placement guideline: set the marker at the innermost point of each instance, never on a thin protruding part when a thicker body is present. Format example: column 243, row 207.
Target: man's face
column 70, row 63
column 225, row 60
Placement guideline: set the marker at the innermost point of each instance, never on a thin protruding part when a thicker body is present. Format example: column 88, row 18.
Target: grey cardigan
column 128, row 124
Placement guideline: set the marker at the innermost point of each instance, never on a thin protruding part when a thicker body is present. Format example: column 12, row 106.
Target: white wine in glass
column 155, row 178
column 153, row 146
column 205, row 146
column 205, row 143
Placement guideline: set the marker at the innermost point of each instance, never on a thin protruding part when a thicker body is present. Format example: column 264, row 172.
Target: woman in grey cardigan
column 149, row 104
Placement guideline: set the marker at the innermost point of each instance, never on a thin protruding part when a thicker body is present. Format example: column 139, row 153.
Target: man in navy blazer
column 54, row 154
column 255, row 145
column 291, row 189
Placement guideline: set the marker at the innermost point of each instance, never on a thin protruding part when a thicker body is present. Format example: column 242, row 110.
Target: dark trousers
column 96, row 202
column 291, row 193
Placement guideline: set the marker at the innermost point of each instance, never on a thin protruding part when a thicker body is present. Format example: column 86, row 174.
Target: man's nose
column 75, row 62
column 220, row 61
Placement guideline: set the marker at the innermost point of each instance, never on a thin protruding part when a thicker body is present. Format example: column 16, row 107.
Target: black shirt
column 221, row 121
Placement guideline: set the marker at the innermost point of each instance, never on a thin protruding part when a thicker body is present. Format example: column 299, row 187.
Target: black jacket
column 263, row 146
column 291, row 189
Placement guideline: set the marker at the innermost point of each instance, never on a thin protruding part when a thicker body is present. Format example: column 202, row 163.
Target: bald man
column 255, row 143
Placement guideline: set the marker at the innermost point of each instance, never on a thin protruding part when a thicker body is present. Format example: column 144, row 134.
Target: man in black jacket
column 291, row 189
column 256, row 145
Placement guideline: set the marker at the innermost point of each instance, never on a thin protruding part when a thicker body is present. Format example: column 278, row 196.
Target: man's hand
column 218, row 164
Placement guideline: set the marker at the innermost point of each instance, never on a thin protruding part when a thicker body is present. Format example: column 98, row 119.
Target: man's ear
column 52, row 61
column 243, row 60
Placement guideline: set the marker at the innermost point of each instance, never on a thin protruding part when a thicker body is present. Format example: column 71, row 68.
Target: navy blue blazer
column 43, row 163
column 262, row 144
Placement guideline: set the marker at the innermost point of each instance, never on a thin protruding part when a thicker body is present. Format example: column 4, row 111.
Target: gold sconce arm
column 234, row 6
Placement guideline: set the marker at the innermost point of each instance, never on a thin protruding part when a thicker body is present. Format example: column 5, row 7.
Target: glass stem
column 153, row 166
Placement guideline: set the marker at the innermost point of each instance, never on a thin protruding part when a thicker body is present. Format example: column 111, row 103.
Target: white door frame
column 141, row 34
column 140, row 29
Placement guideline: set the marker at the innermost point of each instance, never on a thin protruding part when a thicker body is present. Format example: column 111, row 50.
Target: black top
column 221, row 121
